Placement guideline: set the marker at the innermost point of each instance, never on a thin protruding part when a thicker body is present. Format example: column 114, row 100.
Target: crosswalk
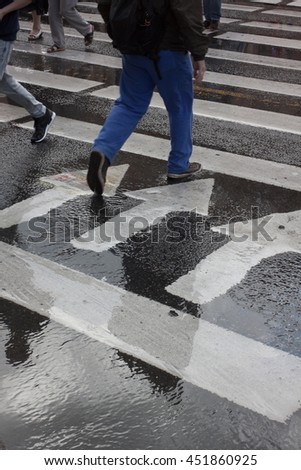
column 247, row 127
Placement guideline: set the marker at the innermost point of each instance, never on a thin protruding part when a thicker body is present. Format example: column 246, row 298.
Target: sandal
column 35, row 36
column 89, row 37
column 55, row 48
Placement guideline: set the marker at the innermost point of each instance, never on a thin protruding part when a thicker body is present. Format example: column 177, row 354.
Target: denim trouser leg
column 212, row 9
column 138, row 81
column 13, row 89
column 176, row 89
column 136, row 89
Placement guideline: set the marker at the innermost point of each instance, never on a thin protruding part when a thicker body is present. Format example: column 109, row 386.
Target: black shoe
column 97, row 172
column 41, row 126
column 206, row 24
column 214, row 25
column 192, row 168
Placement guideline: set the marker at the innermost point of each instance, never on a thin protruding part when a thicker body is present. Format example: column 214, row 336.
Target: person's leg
column 42, row 116
column 70, row 13
column 207, row 12
column 176, row 89
column 56, row 24
column 35, row 32
column 136, row 89
column 13, row 89
column 215, row 10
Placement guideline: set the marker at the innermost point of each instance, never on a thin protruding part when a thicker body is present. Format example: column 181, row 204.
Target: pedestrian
column 9, row 86
column 212, row 13
column 65, row 9
column 139, row 78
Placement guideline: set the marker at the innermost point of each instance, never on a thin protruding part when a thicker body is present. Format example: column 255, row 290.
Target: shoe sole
column 94, row 176
column 46, row 129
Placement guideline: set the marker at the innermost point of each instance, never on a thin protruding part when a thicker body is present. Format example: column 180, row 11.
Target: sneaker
column 214, row 25
column 192, row 169
column 97, row 172
column 41, row 126
column 206, row 24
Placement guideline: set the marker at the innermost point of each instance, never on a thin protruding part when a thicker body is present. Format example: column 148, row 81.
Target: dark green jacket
column 184, row 28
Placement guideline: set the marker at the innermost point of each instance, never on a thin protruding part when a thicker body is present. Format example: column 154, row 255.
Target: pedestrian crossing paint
column 268, row 2
column 249, row 83
column 253, row 59
column 51, row 80
column 155, row 204
column 69, row 32
column 258, row 39
column 242, row 370
column 273, row 26
column 283, row 12
column 72, row 55
column 240, row 8
column 10, row 113
column 226, row 112
column 248, row 246
column 65, row 187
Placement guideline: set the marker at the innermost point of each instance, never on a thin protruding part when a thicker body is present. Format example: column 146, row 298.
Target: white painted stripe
column 226, row 112
column 72, row 55
column 253, row 169
column 243, row 8
column 87, row 4
column 247, row 372
column 275, row 62
column 296, row 3
column 51, row 80
column 93, row 17
column 258, row 39
column 115, row 62
column 273, row 26
column 224, row 20
column 66, row 186
column 9, row 113
column 68, row 32
column 268, row 2
column 156, row 203
column 248, row 83
column 228, row 265
column 283, row 12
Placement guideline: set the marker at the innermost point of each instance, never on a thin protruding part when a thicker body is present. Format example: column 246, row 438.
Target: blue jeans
column 138, row 81
column 212, row 9
column 10, row 87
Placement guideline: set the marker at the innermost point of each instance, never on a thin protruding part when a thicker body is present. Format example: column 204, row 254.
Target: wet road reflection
column 76, row 393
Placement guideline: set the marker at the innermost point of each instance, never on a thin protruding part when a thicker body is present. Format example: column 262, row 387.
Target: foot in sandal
column 35, row 36
column 55, row 48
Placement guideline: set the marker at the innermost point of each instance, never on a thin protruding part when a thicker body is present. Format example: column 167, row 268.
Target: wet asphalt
column 64, row 390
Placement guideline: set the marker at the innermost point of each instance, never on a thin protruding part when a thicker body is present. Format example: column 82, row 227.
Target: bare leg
column 36, row 25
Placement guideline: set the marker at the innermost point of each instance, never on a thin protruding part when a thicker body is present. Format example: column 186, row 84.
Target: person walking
column 9, row 86
column 65, row 9
column 183, row 34
column 212, row 13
